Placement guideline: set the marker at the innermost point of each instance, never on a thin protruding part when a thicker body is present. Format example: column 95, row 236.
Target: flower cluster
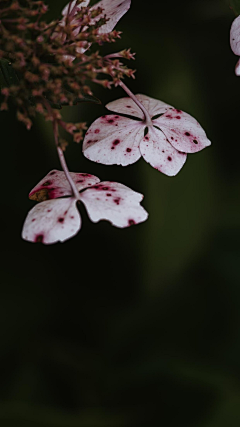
column 44, row 66
column 37, row 68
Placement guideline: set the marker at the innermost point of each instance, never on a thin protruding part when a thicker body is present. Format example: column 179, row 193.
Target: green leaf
column 8, row 76
column 235, row 5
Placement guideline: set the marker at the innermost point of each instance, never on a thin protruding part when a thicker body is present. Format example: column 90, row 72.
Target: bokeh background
column 137, row 327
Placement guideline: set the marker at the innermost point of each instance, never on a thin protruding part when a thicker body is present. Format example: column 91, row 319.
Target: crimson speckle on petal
column 39, row 238
column 131, row 222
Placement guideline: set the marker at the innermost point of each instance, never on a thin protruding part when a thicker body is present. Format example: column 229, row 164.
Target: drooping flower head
column 235, row 41
column 162, row 141
column 57, row 217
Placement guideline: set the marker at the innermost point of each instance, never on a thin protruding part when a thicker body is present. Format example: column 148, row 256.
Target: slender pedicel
column 148, row 120
column 63, row 161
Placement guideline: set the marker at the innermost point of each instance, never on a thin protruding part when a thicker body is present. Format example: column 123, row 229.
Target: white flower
column 235, row 41
column 163, row 142
column 57, row 217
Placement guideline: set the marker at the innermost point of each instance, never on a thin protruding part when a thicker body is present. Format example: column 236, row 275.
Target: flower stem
column 113, row 55
column 148, row 120
column 63, row 161
column 74, row 10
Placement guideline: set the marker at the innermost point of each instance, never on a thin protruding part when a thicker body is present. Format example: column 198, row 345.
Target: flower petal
column 52, row 221
column 113, row 140
column 128, row 106
column 157, row 151
column 125, row 106
column 114, row 202
column 113, row 10
column 235, row 36
column 182, row 131
column 237, row 68
column 55, row 184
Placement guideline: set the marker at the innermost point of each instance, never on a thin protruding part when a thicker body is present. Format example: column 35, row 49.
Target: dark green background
column 137, row 327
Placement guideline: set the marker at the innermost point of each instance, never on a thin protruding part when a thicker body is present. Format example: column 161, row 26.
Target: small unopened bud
column 40, row 39
column 35, row 61
column 45, row 72
column 4, row 106
column 39, row 108
column 126, row 53
column 37, row 92
column 77, row 137
column 70, row 128
column 63, row 144
column 32, row 78
column 5, row 91
column 15, row 6
column 105, row 83
column 130, row 73
column 22, row 118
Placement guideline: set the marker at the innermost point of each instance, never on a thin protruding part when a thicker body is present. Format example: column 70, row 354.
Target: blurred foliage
column 137, row 327
column 235, row 4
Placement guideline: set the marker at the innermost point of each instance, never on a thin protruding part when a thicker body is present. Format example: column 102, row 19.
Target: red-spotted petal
column 113, row 140
column 128, row 106
column 182, row 131
column 114, row 202
column 235, row 36
column 52, row 221
column 55, row 185
column 157, row 151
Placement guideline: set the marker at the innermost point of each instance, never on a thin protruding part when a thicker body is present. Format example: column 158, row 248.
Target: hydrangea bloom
column 235, row 41
column 57, row 218
column 163, row 142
